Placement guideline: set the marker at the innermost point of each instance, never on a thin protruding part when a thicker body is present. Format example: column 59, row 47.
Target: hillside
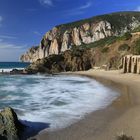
column 105, row 53
column 82, row 33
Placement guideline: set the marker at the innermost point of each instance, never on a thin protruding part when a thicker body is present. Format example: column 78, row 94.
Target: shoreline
column 107, row 123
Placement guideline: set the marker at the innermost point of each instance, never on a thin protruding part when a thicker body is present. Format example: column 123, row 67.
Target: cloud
column 1, row 19
column 6, row 45
column 37, row 33
column 46, row 2
column 7, row 37
column 138, row 8
column 10, row 52
column 86, row 6
column 79, row 10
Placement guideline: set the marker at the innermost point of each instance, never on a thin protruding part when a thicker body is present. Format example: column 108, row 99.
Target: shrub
column 136, row 29
column 124, row 47
column 137, row 47
column 126, row 36
column 124, row 137
column 105, row 50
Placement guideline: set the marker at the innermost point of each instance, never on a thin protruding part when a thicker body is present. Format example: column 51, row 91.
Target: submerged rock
column 10, row 126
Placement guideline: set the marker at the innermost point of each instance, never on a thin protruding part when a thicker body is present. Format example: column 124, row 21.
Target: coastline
column 122, row 116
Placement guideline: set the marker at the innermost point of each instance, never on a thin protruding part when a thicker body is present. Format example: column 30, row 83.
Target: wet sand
column 122, row 116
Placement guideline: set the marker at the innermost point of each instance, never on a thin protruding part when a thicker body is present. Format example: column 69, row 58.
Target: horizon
column 30, row 20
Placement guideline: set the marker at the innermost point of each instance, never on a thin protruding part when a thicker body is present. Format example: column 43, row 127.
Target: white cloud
column 1, row 19
column 86, row 6
column 37, row 33
column 7, row 37
column 46, row 2
column 10, row 52
column 79, row 10
column 138, row 8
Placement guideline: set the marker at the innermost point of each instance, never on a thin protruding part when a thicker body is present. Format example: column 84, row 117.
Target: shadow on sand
column 32, row 129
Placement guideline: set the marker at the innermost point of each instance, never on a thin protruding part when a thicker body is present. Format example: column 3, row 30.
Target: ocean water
column 59, row 100
column 8, row 66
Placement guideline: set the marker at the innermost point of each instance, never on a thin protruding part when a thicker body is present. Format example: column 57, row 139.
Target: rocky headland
column 100, row 41
column 66, row 36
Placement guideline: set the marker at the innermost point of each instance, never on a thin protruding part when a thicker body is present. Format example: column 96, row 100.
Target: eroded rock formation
column 76, row 60
column 63, row 37
column 131, row 64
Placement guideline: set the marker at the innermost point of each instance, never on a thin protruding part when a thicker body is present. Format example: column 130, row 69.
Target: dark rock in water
column 10, row 126
column 16, row 71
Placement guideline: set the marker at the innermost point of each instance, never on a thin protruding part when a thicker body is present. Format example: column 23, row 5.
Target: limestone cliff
column 64, row 37
column 105, row 53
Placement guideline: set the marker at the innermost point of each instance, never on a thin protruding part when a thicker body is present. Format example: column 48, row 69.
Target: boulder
column 10, row 126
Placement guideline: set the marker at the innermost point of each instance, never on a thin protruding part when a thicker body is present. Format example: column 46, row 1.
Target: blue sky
column 24, row 22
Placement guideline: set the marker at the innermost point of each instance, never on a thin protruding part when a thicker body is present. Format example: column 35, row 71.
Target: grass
column 100, row 43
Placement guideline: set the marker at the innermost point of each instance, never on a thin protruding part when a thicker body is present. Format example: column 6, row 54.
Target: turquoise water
column 58, row 100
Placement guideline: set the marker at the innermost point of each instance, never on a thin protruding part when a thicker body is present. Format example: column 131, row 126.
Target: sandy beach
column 123, row 116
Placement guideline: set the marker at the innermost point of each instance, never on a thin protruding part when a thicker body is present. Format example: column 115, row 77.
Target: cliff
column 67, row 36
column 105, row 53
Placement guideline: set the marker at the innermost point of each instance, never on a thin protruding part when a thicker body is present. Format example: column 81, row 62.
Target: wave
column 59, row 100
column 9, row 69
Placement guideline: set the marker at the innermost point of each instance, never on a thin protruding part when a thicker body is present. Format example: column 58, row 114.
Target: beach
column 122, row 116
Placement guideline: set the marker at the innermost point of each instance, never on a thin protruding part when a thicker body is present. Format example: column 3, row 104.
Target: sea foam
column 58, row 100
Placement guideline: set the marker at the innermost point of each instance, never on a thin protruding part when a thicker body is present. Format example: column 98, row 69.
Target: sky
column 24, row 22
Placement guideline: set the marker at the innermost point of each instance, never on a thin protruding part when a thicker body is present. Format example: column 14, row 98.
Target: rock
column 71, row 60
column 17, row 71
column 131, row 64
column 63, row 37
column 10, row 126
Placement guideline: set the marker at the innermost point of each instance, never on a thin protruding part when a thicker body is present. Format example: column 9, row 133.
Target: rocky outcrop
column 64, row 37
column 131, row 64
column 76, row 60
column 10, row 127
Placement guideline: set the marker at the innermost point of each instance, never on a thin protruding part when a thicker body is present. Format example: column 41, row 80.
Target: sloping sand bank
column 123, row 116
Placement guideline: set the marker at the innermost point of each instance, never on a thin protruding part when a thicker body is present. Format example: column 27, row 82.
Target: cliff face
column 64, row 37
column 105, row 53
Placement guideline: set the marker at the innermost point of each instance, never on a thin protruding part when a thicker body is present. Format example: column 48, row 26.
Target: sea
column 56, row 100
column 8, row 66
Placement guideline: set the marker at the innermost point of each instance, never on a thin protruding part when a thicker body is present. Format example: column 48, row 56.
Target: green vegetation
column 119, row 21
column 101, row 43
column 136, row 30
column 126, row 36
column 105, row 50
column 137, row 47
column 124, row 47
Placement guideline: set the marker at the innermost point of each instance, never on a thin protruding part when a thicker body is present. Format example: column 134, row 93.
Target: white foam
column 58, row 100
column 8, row 70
